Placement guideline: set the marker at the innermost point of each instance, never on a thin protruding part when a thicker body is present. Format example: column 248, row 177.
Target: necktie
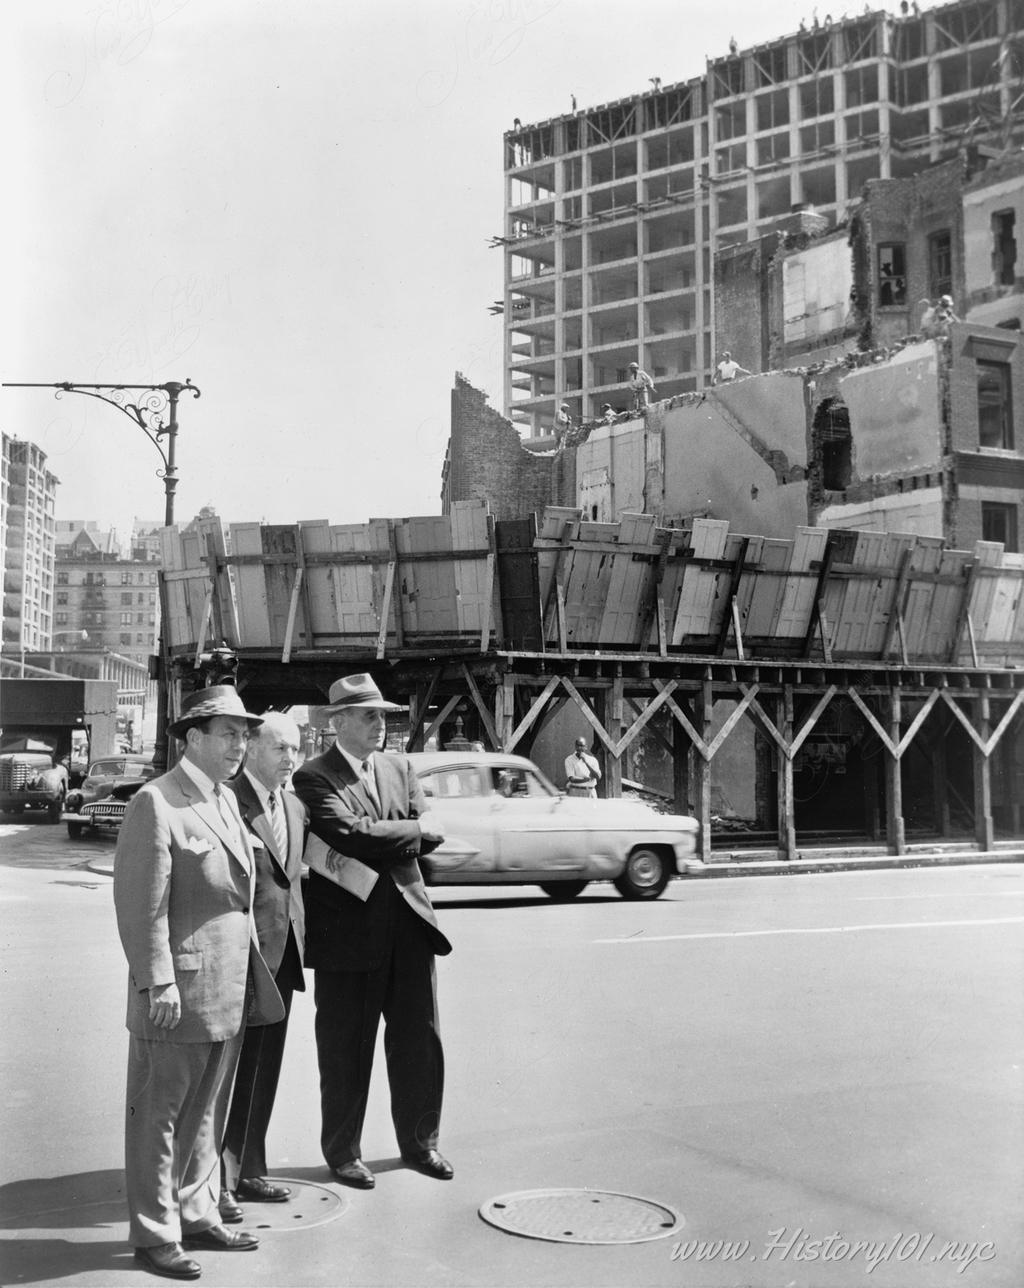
column 278, row 826
column 370, row 782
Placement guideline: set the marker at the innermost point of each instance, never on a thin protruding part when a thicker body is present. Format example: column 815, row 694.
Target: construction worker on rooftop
column 642, row 387
column 727, row 370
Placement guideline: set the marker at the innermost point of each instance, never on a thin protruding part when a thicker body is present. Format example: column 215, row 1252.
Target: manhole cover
column 308, row 1205
column 581, row 1216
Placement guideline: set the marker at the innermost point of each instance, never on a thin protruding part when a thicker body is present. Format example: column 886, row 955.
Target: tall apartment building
column 103, row 601
column 28, row 492
column 613, row 213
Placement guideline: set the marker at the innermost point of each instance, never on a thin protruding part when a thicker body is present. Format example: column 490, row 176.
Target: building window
column 892, row 275
column 995, row 413
column 940, row 264
column 61, row 619
column 999, row 523
column 62, row 596
column 126, row 597
column 126, row 578
column 126, row 619
column 1004, row 248
column 62, row 578
column 835, row 445
column 126, row 639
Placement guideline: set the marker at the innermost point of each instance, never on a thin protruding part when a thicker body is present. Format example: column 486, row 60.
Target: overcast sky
column 290, row 204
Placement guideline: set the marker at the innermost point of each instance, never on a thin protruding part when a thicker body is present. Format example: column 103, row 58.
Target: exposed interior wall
column 994, row 212
column 919, row 512
column 895, row 413
column 816, row 283
column 712, row 467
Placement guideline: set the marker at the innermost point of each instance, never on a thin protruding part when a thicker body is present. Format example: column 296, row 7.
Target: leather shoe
column 217, row 1239
column 168, row 1259
column 256, row 1189
column 230, row 1212
column 356, row 1174
column 430, row 1163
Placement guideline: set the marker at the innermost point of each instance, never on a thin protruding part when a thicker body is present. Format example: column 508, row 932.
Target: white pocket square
column 198, row 845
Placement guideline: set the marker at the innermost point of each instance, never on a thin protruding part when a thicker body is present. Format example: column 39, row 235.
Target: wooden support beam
column 899, row 594
column 784, row 769
column 704, row 705
column 478, row 702
column 682, row 755
column 307, row 600
column 611, row 784
column 984, row 830
column 895, row 828
column 293, row 608
column 940, row 794
column 818, row 612
column 416, row 740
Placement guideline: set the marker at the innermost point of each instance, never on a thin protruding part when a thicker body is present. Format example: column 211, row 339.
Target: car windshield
column 517, row 780
column 118, row 769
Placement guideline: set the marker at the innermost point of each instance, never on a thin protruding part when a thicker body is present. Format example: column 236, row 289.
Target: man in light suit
column 371, row 938
column 183, row 891
column 275, row 820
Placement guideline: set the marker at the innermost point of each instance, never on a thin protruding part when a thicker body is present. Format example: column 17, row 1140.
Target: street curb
column 853, row 863
column 743, row 867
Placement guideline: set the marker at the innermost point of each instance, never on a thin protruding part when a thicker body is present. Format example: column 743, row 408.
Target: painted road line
column 813, row 930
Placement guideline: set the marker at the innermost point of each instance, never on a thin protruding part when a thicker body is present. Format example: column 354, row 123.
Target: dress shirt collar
column 354, row 761
column 206, row 785
column 263, row 794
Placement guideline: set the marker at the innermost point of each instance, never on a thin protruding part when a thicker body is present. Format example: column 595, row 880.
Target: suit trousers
column 349, row 1006
column 175, row 1109
column 252, row 1100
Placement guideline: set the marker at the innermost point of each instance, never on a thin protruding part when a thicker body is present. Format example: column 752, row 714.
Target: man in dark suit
column 371, row 937
column 183, row 889
column 276, row 824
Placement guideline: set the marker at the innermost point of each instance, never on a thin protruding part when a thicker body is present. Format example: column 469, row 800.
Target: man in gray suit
column 371, row 937
column 183, row 893
column 275, row 820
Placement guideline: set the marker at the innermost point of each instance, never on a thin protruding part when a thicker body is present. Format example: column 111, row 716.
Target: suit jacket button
column 246, row 908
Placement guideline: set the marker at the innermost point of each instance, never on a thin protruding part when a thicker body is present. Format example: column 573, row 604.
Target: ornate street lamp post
column 146, row 406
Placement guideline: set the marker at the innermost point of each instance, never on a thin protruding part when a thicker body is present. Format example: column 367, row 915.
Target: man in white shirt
column 582, row 772
column 727, row 370
column 641, row 386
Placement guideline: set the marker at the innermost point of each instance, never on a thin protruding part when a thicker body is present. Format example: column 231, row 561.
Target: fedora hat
column 354, row 691
column 204, row 704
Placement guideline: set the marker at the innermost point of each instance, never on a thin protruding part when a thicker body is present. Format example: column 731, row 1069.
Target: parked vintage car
column 31, row 777
column 506, row 824
column 102, row 799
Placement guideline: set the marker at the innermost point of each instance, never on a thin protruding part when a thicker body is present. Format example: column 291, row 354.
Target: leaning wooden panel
column 695, row 608
column 476, row 601
column 357, row 588
column 926, row 628
column 586, row 582
column 426, row 587
column 280, row 539
column 224, row 619
column 554, row 524
column 626, row 605
column 251, row 586
column 1000, row 640
column 988, row 556
column 796, row 605
column 317, row 589
column 946, row 602
column 857, row 596
column 180, row 631
column 760, row 592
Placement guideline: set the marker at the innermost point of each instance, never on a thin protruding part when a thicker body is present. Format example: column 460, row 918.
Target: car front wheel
column 645, row 875
column 563, row 891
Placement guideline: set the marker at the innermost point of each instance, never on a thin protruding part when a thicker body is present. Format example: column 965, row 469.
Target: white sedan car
column 505, row 824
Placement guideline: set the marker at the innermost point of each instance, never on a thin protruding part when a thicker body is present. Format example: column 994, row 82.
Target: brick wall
column 488, row 462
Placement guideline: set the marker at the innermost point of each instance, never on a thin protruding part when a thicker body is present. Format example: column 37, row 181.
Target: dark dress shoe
column 356, row 1174
column 167, row 1259
column 430, row 1163
column 217, row 1239
column 255, row 1189
column 230, row 1212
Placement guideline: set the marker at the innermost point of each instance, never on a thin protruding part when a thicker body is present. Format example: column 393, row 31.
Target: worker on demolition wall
column 641, row 385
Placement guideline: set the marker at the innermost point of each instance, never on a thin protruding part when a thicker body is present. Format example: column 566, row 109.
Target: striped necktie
column 278, row 825
column 370, row 781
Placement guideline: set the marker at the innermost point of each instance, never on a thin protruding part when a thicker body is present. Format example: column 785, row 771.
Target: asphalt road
column 821, row 1075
